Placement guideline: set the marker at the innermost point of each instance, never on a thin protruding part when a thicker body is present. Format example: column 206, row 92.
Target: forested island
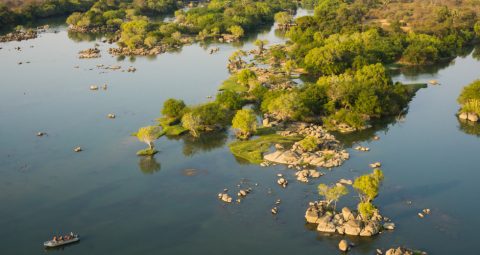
column 283, row 104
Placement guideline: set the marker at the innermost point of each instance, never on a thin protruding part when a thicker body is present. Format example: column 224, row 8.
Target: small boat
column 71, row 238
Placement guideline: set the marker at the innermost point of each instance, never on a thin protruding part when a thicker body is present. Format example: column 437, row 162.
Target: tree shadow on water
column 468, row 127
column 149, row 165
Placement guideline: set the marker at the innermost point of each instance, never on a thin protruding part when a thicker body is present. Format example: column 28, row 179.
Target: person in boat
column 54, row 238
column 60, row 238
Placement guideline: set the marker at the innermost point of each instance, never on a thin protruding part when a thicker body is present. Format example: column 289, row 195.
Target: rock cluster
column 282, row 182
column 89, row 53
column 303, row 175
column 375, row 165
column 328, row 154
column 225, row 197
column 473, row 117
column 403, row 251
column 362, row 148
column 344, row 223
column 140, row 51
column 19, row 35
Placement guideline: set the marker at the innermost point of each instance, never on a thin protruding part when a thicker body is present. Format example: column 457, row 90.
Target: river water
column 124, row 204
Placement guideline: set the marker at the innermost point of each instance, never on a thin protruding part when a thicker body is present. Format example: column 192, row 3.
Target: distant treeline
column 14, row 13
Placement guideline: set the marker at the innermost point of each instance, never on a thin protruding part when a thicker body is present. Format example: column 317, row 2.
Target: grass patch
column 253, row 150
column 146, row 152
column 232, row 85
column 165, row 121
column 173, row 130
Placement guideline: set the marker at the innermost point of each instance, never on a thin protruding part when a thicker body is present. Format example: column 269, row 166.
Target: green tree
column 245, row 122
column 173, row 108
column 147, row 135
column 284, row 19
column 246, row 77
column 368, row 185
column 192, row 123
column 287, row 106
column 261, row 45
column 229, row 99
column 237, row 31
column 366, row 209
column 332, row 193
column 309, row 143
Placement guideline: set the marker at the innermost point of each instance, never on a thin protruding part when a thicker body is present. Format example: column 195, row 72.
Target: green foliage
column 173, row 108
column 147, row 152
column 253, row 150
column 470, row 98
column 232, row 84
column 230, row 100
column 309, row 143
column 245, row 122
column 366, row 209
column 260, row 44
column 332, row 193
column 368, row 185
column 283, row 18
column 246, row 77
column 149, row 134
column 422, row 49
column 236, row 31
column 285, row 106
column 192, row 123
column 205, row 117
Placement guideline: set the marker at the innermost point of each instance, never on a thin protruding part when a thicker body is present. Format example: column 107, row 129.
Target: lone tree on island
column 147, row 135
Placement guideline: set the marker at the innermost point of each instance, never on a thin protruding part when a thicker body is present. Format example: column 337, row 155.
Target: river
column 124, row 204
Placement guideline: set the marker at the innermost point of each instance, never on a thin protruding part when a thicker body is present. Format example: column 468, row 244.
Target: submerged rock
column 77, row 149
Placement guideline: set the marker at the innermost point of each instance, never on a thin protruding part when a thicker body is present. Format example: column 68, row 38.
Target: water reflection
column 149, row 165
column 383, row 125
column 206, row 142
column 469, row 127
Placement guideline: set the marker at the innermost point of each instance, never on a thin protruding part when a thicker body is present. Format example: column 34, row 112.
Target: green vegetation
column 232, row 84
column 367, row 187
column 229, row 20
column 309, row 143
column 332, row 193
column 28, row 11
column 253, row 150
column 148, row 135
column 469, row 98
column 173, row 108
column 245, row 122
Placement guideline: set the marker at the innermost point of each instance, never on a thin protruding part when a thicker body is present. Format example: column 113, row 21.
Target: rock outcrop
column 403, row 251
column 344, row 223
column 328, row 154
column 473, row 117
column 89, row 53
column 19, row 35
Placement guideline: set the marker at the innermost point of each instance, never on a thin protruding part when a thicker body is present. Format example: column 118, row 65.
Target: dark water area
column 123, row 204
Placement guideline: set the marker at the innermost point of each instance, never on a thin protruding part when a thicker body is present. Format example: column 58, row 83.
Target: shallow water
column 123, row 204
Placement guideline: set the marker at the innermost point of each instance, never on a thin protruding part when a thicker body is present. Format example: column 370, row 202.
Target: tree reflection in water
column 468, row 127
column 149, row 165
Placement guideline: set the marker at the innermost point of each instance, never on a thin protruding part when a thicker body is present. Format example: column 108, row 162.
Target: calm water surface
column 123, row 204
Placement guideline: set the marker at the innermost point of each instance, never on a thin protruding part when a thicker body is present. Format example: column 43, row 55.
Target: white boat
column 55, row 243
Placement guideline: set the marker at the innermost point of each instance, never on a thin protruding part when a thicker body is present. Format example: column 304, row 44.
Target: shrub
column 173, row 108
column 246, row 123
column 309, row 143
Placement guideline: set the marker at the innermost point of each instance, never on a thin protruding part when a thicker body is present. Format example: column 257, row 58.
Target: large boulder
column 473, row 117
column 347, row 214
column 353, row 227
column 372, row 228
column 325, row 224
column 463, row 116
